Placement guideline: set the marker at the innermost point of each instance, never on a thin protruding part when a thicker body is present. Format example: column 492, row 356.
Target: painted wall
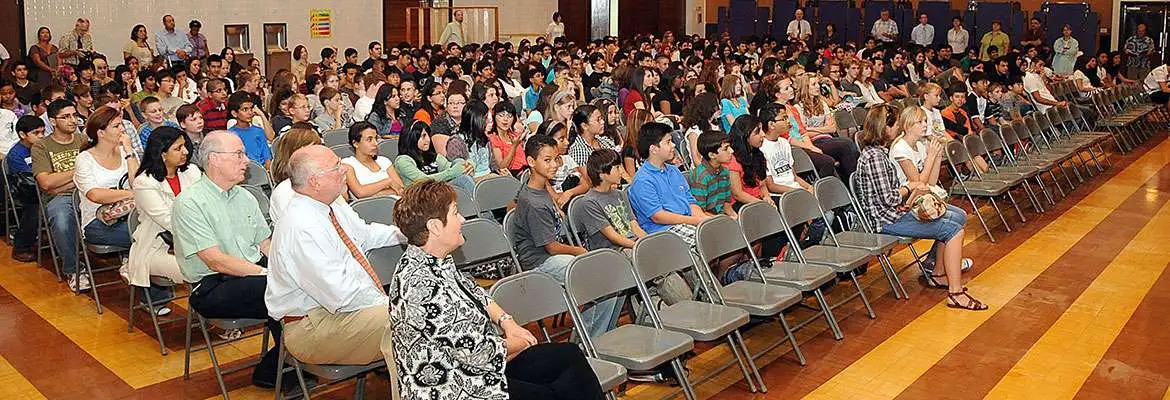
column 519, row 17
column 356, row 22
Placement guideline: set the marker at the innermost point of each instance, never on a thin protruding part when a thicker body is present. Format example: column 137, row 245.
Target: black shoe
column 24, row 256
column 289, row 380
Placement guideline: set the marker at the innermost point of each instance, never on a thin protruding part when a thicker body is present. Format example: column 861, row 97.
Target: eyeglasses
column 238, row 153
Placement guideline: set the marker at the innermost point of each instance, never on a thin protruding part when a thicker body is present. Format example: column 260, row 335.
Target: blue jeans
column 600, row 318
column 98, row 232
column 941, row 230
column 463, row 182
column 63, row 227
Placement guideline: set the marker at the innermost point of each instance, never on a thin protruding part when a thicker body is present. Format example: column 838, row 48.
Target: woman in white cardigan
column 164, row 173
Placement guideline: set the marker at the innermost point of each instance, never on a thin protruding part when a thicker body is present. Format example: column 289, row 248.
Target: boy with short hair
column 214, row 106
column 254, row 137
column 607, row 222
column 24, row 187
column 659, row 194
column 538, row 224
column 154, row 116
column 710, row 181
column 191, row 122
column 778, row 152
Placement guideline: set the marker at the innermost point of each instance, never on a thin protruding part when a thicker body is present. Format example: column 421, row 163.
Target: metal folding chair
column 336, row 137
column 376, row 209
column 84, row 248
column 194, row 319
column 333, row 373
column 388, row 148
column 832, row 195
column 485, row 242
column 496, row 193
column 261, row 200
column 342, row 150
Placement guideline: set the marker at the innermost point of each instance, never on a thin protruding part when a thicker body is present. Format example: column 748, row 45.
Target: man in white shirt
column 958, row 37
column 453, row 32
column 799, row 28
column 777, row 151
column 1037, row 90
column 320, row 283
column 1157, row 84
column 885, row 29
column 923, row 33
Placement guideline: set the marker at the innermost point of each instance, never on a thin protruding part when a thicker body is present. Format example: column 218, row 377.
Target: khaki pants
column 351, row 338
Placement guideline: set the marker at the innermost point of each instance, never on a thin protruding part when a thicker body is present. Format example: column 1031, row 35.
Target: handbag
column 111, row 214
column 928, row 206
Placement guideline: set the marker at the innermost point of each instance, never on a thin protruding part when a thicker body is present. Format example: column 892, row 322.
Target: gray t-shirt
column 537, row 223
column 602, row 210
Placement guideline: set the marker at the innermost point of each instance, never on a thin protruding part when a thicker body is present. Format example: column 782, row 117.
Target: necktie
column 353, row 250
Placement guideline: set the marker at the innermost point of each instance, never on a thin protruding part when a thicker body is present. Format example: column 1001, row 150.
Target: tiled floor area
column 1078, row 295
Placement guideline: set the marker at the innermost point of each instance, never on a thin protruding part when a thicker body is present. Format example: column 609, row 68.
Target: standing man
column 799, row 28
column 1138, row 50
column 172, row 44
column 197, row 40
column 885, row 30
column 453, row 33
column 375, row 49
column 320, row 284
column 221, row 243
column 923, row 34
column 1034, row 35
column 958, row 38
column 996, row 38
column 77, row 43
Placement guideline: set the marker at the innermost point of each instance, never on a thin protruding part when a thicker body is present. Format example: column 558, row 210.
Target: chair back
column 485, row 240
column 597, row 274
column 496, row 192
column 845, row 121
column 975, row 145
column 1022, row 131
column 956, row 153
column 529, row 296
column 1066, row 114
column 866, row 223
column 801, row 162
column 376, row 209
column 132, row 222
column 257, row 175
column 576, row 217
column 797, row 207
column 342, row 150
column 510, row 225
column 1033, row 126
column 859, row 114
column 385, row 261
column 831, row 193
column 759, row 221
column 336, row 137
column 991, row 140
column 466, row 204
column 1009, row 135
column 661, row 253
column 718, row 236
column 261, row 199
column 388, row 148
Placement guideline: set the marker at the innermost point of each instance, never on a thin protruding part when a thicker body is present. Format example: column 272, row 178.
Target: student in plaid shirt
column 885, row 29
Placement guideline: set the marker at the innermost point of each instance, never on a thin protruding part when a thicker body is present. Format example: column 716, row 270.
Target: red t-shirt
column 734, row 166
column 632, row 98
column 174, row 182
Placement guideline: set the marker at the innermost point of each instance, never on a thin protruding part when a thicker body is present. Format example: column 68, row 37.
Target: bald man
column 321, row 285
column 221, row 242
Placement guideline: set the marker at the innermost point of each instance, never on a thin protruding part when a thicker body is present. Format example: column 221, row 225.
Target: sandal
column 972, row 304
column 932, row 281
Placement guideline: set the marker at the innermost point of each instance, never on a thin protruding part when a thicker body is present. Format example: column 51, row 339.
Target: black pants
column 26, row 237
column 224, row 296
column 552, row 371
column 844, row 151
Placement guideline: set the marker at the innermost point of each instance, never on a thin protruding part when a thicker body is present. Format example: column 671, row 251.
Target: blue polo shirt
column 656, row 189
column 255, row 142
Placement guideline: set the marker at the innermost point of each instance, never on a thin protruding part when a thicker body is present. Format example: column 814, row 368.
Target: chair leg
column 92, row 282
column 162, row 348
column 791, row 339
column 747, row 376
column 683, row 380
column 1036, row 204
column 1044, row 189
column 1000, row 214
column 861, row 292
column 975, row 207
column 211, row 353
column 1016, row 205
column 130, row 318
column 187, row 352
column 1056, row 182
column 750, row 360
column 827, row 311
column 300, row 378
column 892, row 275
column 359, row 390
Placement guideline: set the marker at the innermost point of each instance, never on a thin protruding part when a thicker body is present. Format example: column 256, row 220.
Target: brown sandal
column 972, row 305
column 933, row 283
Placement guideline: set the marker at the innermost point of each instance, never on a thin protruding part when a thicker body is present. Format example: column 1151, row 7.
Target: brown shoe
column 26, row 256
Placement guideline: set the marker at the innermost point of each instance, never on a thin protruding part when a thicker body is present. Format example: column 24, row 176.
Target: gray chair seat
column 841, row 259
column 702, row 321
column 338, row 372
column 1003, row 177
column 760, row 299
column 873, row 243
column 980, row 188
column 609, row 374
column 641, row 348
column 802, row 277
column 105, row 248
column 1029, row 170
column 239, row 323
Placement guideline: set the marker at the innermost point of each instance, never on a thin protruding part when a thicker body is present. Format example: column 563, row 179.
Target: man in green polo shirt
column 221, row 241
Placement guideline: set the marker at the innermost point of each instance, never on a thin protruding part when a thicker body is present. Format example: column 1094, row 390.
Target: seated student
column 1015, row 103
column 507, row 141
column 710, row 181
column 659, row 194
column 332, row 115
column 607, row 221
column 955, row 119
column 98, row 172
column 538, row 225
column 778, row 152
column 298, row 111
column 369, row 174
column 418, row 160
column 153, row 117
column 255, row 138
column 214, row 106
column 53, row 159
column 24, row 187
column 567, row 182
column 931, row 97
column 748, row 168
column 191, row 123
column 470, row 142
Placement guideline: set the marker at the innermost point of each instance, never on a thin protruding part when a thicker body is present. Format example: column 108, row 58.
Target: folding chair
column 465, row 202
column 832, row 195
column 335, row 137
column 1012, row 143
column 576, row 225
column 798, row 207
column 846, row 126
column 1054, row 137
column 257, row 175
column 994, row 143
column 485, row 242
column 333, row 373
column 384, row 261
column 148, row 306
column 1035, row 147
column 225, row 324
column 261, row 200
column 758, row 222
column 11, row 212
column 859, row 115
column 870, row 226
column 957, row 156
column 388, row 148
column 84, row 248
column 977, row 148
column 378, row 209
column 342, row 150
column 47, row 234
column 663, row 253
column 600, row 274
column 496, row 193
column 533, row 296
column 802, row 164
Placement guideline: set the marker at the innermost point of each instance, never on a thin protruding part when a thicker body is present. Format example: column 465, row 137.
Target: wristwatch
column 505, row 317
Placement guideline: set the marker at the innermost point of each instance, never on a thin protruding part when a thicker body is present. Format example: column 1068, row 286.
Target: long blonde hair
column 908, row 116
column 811, row 100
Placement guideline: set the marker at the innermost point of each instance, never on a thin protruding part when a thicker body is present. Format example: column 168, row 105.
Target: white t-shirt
column 779, row 160
column 90, row 175
column 568, row 168
column 1156, row 77
column 364, row 175
column 8, row 136
column 902, row 151
column 1033, row 82
column 934, row 121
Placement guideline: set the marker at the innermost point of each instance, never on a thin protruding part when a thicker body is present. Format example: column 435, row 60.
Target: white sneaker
column 967, row 264
column 162, row 311
column 79, row 282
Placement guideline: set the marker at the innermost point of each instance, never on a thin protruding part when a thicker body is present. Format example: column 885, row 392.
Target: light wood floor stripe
column 892, row 366
column 1057, row 365
column 13, row 385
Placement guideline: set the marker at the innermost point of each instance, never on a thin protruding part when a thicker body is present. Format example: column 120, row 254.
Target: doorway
column 1156, row 16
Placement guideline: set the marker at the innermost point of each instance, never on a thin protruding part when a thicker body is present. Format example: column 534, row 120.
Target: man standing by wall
column 453, row 33
column 77, row 43
column 923, row 34
column 172, row 44
column 1138, row 49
